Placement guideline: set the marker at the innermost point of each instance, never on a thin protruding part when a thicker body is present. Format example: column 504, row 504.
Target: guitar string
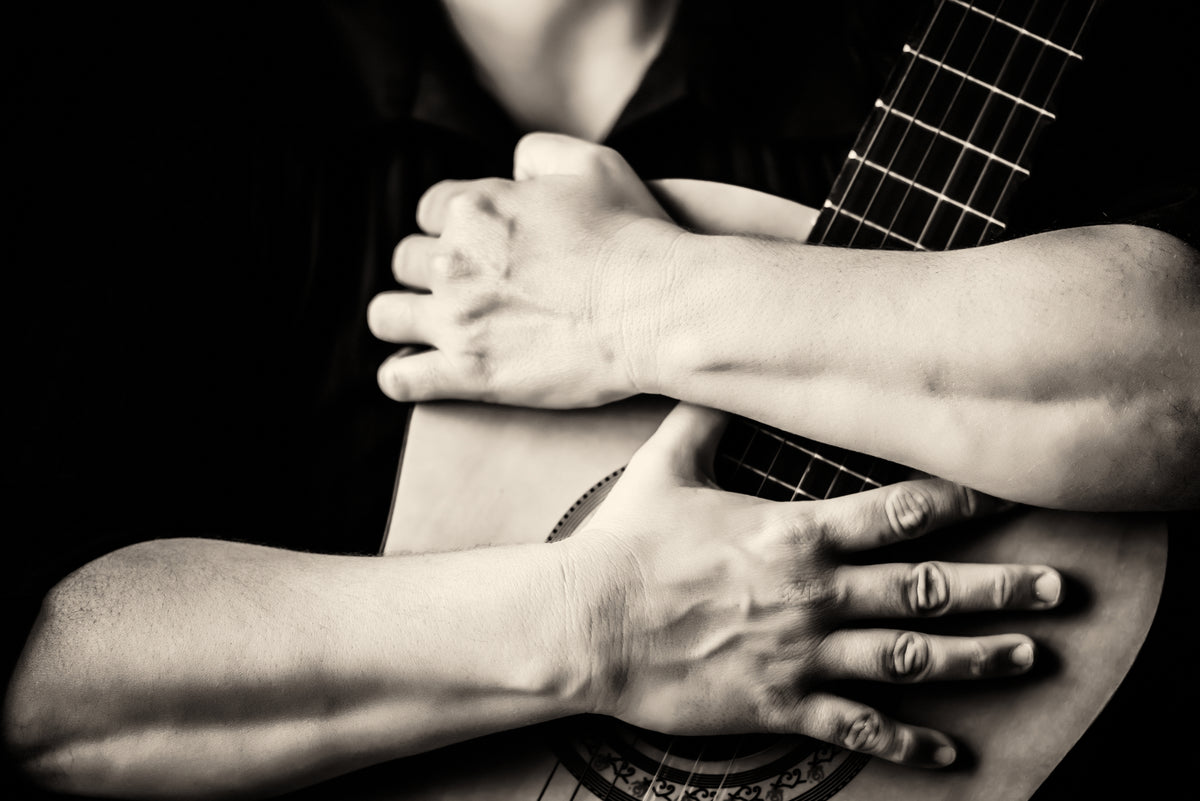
column 854, row 176
column 546, row 786
column 779, row 448
column 910, row 123
column 857, row 168
column 1043, row 102
column 613, row 786
column 990, row 99
column 737, row 748
column 687, row 784
column 1053, row 87
column 833, row 480
column 662, row 764
column 950, row 176
column 906, row 128
column 595, row 752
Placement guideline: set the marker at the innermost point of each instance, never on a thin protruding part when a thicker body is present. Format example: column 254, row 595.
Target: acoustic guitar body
column 474, row 474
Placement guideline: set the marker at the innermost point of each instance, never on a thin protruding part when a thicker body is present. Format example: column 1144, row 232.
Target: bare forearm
column 1059, row 370
column 194, row 667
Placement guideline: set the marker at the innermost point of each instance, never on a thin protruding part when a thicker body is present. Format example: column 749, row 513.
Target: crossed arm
column 197, row 668
column 1060, row 370
column 194, row 668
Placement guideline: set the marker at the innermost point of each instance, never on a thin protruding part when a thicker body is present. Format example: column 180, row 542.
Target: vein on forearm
column 1000, row 365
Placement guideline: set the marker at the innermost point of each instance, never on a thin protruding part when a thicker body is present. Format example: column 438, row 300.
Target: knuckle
column 451, row 265
column 866, row 732
column 967, row 500
column 927, row 590
column 978, row 661
column 909, row 510
column 803, row 532
column 908, row 658
column 815, row 591
column 1003, row 588
column 470, row 202
column 775, row 708
column 390, row 381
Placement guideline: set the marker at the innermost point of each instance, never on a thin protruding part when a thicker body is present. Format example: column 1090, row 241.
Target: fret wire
column 804, row 475
column 838, row 210
column 993, row 89
column 945, row 116
column 1047, row 42
column 1053, row 87
column 925, row 91
column 770, row 467
column 853, row 176
column 1008, row 121
column 809, row 452
column 987, row 154
column 877, row 227
column 940, row 196
column 768, row 477
column 741, row 462
column 873, row 138
column 974, row 128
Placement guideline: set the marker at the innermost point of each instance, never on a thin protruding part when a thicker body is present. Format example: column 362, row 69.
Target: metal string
column 991, row 97
column 1053, row 87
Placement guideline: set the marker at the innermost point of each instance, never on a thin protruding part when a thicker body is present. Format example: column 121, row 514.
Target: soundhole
column 619, row 762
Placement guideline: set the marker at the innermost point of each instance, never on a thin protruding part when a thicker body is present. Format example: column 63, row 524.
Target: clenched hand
column 712, row 612
column 537, row 291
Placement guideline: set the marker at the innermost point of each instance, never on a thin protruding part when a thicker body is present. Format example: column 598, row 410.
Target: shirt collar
column 412, row 66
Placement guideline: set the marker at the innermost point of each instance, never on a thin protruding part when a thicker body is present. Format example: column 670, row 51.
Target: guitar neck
column 933, row 168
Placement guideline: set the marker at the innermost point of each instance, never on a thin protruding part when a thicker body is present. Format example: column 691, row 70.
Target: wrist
column 596, row 572
column 654, row 290
column 698, row 314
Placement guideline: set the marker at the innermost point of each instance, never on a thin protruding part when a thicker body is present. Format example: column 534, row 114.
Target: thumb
column 539, row 154
column 685, row 443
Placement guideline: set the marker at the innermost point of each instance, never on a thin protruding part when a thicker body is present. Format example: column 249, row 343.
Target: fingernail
column 1022, row 655
column 1047, row 587
column 944, row 755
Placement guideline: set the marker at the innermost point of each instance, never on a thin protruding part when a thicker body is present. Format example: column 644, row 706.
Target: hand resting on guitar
column 571, row 287
column 680, row 607
column 720, row 613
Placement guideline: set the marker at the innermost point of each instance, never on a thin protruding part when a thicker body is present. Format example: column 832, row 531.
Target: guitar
column 933, row 168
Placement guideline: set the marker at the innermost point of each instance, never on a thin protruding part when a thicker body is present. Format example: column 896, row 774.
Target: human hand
column 715, row 613
column 540, row 291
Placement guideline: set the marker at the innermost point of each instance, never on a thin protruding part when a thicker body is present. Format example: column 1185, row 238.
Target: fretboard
column 933, row 168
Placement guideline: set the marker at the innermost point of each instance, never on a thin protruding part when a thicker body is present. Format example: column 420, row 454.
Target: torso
column 568, row 67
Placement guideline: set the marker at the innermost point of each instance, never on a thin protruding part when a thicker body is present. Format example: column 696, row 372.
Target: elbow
column 1138, row 455
column 40, row 716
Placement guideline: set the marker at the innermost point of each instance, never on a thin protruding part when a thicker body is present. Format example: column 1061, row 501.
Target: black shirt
column 203, row 200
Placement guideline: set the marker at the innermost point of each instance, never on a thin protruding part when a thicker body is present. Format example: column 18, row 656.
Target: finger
column 860, row 728
column 686, row 441
column 400, row 317
column 449, row 198
column 928, row 589
column 910, row 656
column 421, row 376
column 901, row 511
column 413, row 261
column 539, row 154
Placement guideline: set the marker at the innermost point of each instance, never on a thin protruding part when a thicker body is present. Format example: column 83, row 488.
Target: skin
column 196, row 668
column 1061, row 370
column 680, row 607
